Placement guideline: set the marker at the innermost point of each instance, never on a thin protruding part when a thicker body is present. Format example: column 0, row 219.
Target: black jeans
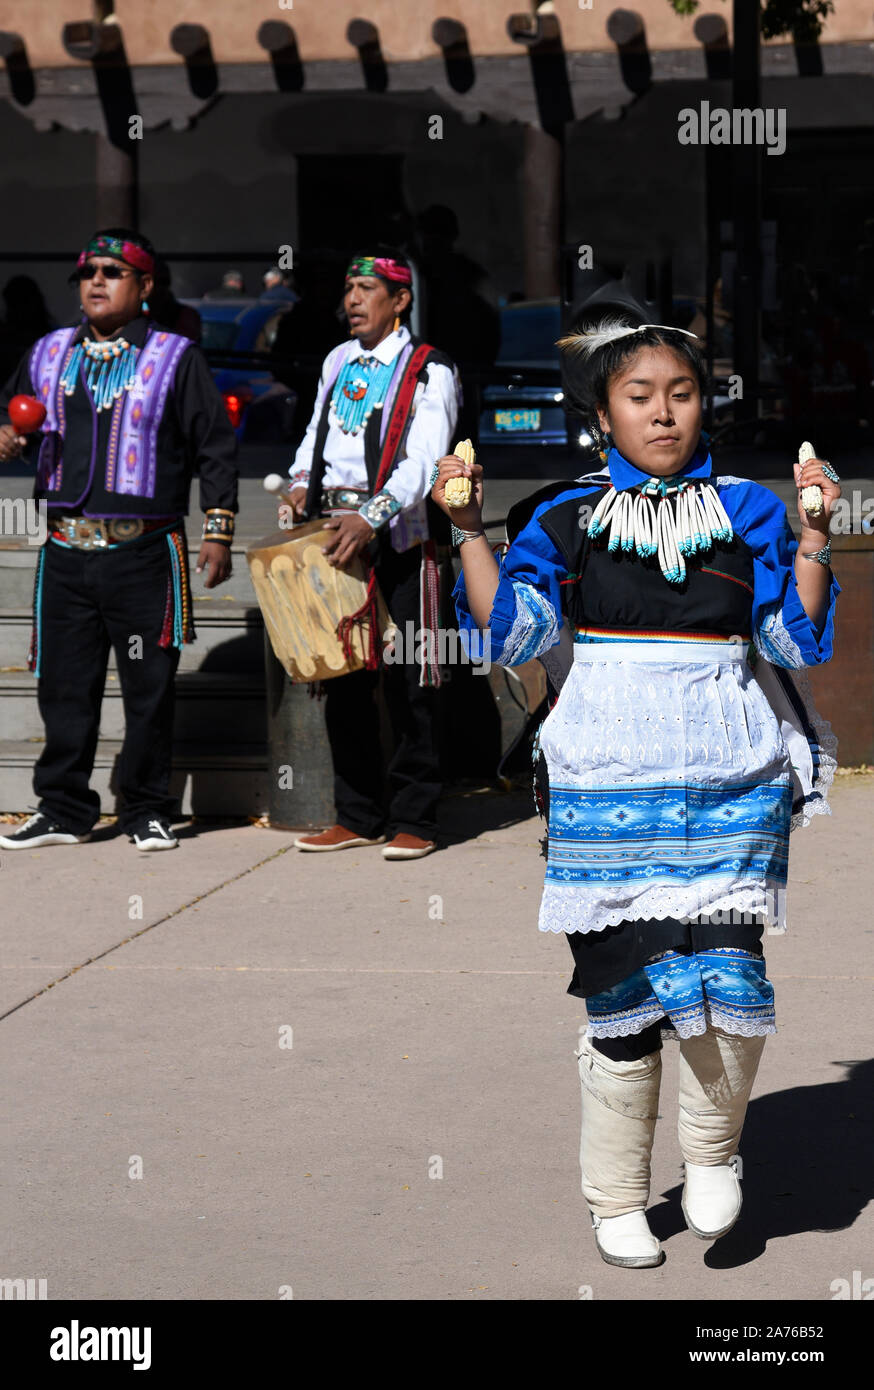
column 91, row 601
column 352, row 720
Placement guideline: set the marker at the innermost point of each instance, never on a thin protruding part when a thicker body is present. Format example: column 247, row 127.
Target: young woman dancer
column 679, row 755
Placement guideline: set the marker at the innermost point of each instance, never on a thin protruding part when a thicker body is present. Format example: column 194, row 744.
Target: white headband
column 613, row 329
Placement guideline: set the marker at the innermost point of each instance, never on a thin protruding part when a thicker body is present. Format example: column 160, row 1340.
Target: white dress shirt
column 429, row 436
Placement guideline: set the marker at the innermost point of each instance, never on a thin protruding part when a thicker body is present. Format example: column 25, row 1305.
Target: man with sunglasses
column 132, row 410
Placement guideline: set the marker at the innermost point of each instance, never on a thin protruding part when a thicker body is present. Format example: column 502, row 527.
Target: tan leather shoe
column 405, row 846
column 338, row 837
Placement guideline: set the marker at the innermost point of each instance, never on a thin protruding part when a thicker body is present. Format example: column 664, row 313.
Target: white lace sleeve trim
column 772, row 641
column 535, row 627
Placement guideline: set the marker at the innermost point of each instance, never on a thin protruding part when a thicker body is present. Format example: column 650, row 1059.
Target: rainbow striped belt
column 635, row 644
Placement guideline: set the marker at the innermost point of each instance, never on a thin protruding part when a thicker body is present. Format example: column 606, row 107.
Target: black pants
column 632, row 1048
column 352, row 719
column 92, row 601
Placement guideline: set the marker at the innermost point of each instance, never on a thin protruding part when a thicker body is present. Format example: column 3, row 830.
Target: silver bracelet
column 458, row 535
column 823, row 556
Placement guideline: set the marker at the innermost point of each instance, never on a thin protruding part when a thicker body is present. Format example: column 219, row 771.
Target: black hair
column 587, row 372
column 390, row 253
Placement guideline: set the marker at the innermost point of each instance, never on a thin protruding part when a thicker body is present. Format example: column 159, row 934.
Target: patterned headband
column 119, row 250
column 380, row 265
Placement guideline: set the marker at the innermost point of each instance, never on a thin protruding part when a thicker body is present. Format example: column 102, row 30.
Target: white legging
column 620, row 1106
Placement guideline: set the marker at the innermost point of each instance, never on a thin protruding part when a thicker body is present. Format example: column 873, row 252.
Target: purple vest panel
column 48, row 358
column 131, row 457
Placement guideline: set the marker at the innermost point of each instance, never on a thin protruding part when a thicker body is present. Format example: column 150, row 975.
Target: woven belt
column 672, row 646
column 343, row 499
column 104, row 533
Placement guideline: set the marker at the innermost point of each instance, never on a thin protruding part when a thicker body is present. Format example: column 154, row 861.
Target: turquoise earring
column 145, row 306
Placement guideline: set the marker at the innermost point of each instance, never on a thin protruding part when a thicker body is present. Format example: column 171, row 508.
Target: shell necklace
column 695, row 521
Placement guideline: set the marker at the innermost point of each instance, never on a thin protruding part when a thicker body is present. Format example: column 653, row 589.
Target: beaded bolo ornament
column 111, row 369
column 361, row 388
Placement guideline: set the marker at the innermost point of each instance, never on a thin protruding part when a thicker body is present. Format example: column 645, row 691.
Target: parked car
column 525, row 407
column 236, row 333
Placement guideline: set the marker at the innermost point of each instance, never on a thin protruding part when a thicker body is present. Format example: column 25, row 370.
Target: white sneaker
column 153, row 834
column 39, row 830
column 711, row 1198
column 627, row 1240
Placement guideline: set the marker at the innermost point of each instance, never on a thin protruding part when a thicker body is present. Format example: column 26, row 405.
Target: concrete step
column 230, row 637
column 210, row 707
column 18, row 563
column 211, row 779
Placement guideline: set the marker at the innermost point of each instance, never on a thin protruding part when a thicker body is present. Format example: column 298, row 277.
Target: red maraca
column 26, row 414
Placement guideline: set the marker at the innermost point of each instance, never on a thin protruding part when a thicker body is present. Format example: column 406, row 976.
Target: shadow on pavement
column 463, row 814
column 806, row 1168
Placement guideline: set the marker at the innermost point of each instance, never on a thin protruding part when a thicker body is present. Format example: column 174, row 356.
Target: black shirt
column 194, row 435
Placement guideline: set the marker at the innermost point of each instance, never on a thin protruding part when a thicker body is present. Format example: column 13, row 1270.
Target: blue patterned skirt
column 690, row 991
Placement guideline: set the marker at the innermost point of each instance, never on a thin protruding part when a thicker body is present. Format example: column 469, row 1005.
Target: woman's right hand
column 467, row 518
column 11, row 444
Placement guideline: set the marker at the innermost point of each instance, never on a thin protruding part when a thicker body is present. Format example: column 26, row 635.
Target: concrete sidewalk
column 419, row 1138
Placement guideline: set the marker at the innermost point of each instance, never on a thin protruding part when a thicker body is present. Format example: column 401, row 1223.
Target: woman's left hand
column 810, row 474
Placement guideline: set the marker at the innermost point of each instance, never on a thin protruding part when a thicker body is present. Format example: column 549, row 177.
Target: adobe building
column 228, row 131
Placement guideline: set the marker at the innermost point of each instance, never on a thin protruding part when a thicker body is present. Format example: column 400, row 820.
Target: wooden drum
column 303, row 599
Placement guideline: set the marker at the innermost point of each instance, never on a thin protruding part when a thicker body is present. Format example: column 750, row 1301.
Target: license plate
column 517, row 419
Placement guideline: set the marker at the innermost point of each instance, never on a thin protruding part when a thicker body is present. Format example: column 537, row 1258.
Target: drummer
column 385, row 409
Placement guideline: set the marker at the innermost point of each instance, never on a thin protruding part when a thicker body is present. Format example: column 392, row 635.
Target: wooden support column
column 115, row 183
column 115, row 163
column 541, row 193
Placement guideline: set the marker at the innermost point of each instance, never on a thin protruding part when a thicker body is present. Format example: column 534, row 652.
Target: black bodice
column 620, row 590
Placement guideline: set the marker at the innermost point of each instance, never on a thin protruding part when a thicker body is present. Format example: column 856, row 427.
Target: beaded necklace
column 360, row 388
column 112, row 369
column 696, row 520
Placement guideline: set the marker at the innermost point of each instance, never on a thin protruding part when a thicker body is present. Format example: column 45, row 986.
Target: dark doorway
column 347, row 202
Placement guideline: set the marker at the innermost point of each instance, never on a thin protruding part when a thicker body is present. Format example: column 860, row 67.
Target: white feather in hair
column 607, row 332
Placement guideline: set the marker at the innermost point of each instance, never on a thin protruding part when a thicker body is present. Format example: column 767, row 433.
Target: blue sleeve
column 526, row 616
column 781, row 630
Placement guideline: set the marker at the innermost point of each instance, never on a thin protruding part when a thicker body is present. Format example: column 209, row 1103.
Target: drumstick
column 278, row 485
column 811, row 497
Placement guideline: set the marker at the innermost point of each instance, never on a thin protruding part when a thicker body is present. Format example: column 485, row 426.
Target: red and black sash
column 394, row 435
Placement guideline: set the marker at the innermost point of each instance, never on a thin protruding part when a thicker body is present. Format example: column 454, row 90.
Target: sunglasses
column 110, row 272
